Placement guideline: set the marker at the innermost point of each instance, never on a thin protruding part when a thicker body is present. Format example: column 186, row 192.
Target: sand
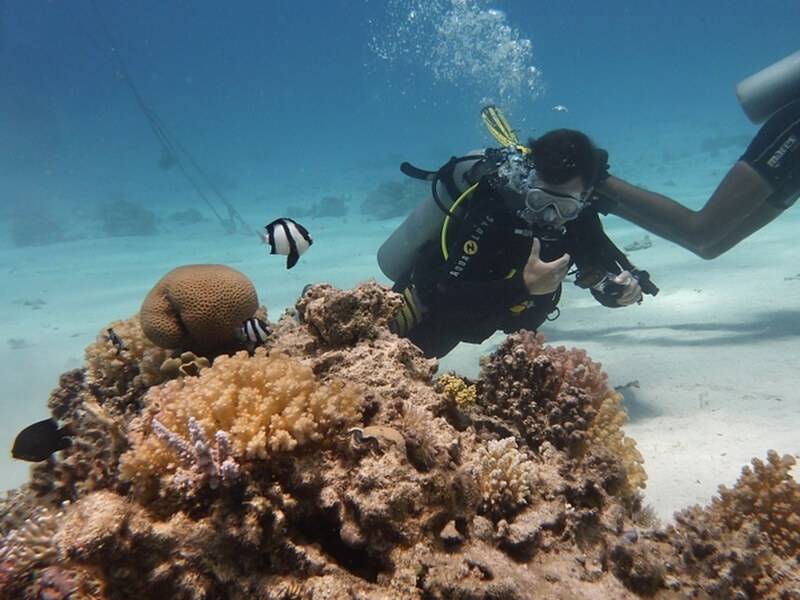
column 708, row 366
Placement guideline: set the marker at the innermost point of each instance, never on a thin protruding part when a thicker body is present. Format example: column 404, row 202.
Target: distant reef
column 334, row 463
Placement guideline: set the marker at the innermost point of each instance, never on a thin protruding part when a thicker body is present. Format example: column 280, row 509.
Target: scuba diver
column 763, row 183
column 490, row 249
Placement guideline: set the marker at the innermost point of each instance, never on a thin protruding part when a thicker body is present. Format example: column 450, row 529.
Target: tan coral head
column 198, row 308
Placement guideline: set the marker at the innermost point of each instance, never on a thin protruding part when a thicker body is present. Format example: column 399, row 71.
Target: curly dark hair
column 562, row 154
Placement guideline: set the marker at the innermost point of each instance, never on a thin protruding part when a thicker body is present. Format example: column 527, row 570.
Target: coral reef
column 90, row 461
column 393, row 199
column 333, row 465
column 32, row 542
column 327, row 206
column 188, row 216
column 506, row 476
column 252, row 405
column 458, row 390
column 97, row 404
column 555, row 395
column 342, row 319
column 187, row 364
column 122, row 218
column 124, row 374
column 34, row 227
column 768, row 495
column 746, row 544
column 199, row 308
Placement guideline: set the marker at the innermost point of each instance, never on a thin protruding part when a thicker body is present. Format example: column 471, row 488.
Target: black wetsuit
column 775, row 154
column 478, row 289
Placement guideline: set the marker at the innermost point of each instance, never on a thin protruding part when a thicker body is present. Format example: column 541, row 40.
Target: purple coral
column 212, row 464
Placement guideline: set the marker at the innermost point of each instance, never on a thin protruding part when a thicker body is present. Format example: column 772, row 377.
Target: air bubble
column 466, row 43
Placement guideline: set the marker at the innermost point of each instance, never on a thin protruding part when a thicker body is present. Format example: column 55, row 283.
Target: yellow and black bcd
column 409, row 315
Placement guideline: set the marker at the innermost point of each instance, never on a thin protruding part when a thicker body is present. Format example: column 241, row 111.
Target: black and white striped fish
column 255, row 331
column 286, row 236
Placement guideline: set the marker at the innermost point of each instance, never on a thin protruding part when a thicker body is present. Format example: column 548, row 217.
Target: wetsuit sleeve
column 596, row 252
column 594, row 249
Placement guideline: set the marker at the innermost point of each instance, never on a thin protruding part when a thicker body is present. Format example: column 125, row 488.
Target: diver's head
column 566, row 166
column 564, row 155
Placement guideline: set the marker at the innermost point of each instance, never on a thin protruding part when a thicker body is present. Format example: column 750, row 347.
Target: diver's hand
column 622, row 289
column 542, row 277
column 630, row 290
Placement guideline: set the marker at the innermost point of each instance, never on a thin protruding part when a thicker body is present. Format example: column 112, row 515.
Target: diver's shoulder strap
column 442, row 172
column 446, row 174
column 416, row 173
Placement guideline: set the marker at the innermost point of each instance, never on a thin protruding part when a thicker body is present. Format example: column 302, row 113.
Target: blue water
column 270, row 95
column 283, row 103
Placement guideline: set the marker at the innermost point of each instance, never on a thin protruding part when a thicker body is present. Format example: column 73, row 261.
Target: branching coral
column 123, row 374
column 201, row 460
column 90, row 461
column 457, row 390
column 558, row 396
column 31, row 544
column 606, row 431
column 767, row 495
column 524, row 384
column 266, row 403
column 507, row 476
column 15, row 507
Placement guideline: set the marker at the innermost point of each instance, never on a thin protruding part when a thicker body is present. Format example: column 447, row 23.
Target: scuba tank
column 771, row 88
column 397, row 254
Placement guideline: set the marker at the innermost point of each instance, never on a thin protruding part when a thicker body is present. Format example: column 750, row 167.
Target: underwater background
column 125, row 126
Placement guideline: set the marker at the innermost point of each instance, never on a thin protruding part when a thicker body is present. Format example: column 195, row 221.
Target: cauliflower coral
column 265, row 403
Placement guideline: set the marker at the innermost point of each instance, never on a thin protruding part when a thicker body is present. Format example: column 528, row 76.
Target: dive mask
column 543, row 207
column 550, row 208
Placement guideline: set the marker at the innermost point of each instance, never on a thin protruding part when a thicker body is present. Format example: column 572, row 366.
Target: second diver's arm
column 720, row 224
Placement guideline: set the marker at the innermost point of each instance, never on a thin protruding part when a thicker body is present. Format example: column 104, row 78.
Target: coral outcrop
column 198, row 308
column 124, row 373
column 550, row 394
column 258, row 404
column 333, row 464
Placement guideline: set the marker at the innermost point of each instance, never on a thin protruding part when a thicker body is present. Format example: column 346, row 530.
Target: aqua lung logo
column 470, row 247
column 787, row 146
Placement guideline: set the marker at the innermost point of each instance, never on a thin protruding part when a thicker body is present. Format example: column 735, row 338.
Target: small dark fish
column 37, row 442
column 115, row 339
column 287, row 237
column 255, row 331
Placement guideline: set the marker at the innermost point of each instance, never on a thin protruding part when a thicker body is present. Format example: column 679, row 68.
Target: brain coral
column 198, row 308
column 265, row 402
